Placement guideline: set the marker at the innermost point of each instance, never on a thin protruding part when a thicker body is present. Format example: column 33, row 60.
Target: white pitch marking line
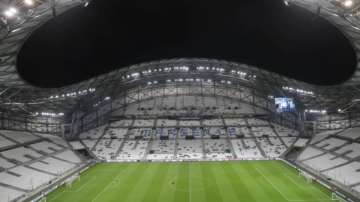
column 107, row 186
column 82, row 186
column 189, row 185
column 291, row 200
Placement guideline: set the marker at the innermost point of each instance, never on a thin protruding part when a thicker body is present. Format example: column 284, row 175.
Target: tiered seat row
column 189, row 149
column 273, row 147
column 93, row 133
column 4, row 142
column 132, row 150
column 107, row 148
column 336, row 155
column 31, row 162
column 217, row 149
column 246, row 149
column 140, row 139
column 162, row 150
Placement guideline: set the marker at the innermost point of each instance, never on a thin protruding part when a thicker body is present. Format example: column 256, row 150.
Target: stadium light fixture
column 286, row 3
column 348, row 3
column 10, row 12
column 29, row 2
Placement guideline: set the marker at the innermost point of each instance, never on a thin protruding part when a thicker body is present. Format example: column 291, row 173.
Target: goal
column 69, row 182
column 309, row 178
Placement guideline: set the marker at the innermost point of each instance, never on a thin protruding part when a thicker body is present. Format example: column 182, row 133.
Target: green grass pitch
column 245, row 181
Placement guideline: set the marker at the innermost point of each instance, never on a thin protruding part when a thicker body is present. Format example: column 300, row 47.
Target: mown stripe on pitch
column 212, row 187
column 157, row 183
column 141, row 186
column 182, row 182
column 241, row 189
column 261, row 189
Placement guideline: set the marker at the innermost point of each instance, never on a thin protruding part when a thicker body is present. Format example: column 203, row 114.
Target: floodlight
column 29, row 2
column 348, row 3
column 10, row 12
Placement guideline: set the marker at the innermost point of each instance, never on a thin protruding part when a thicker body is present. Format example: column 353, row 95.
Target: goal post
column 309, row 178
column 69, row 182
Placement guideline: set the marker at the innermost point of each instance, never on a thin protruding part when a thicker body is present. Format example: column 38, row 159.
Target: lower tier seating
column 336, row 156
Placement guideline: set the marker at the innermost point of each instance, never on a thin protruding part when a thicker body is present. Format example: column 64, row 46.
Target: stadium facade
column 181, row 109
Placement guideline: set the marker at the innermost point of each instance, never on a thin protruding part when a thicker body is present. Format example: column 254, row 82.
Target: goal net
column 70, row 181
column 309, row 178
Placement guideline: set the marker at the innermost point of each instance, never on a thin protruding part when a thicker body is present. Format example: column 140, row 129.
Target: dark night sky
column 110, row 34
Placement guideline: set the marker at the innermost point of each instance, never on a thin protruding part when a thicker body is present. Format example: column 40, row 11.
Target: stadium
column 154, row 101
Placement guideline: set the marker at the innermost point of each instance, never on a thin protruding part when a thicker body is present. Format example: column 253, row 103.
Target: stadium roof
column 20, row 19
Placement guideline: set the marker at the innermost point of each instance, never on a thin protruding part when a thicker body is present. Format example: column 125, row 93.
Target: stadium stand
column 188, row 139
column 29, row 161
column 335, row 154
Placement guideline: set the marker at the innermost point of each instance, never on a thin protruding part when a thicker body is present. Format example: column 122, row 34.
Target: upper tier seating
column 55, row 139
column 352, row 150
column 4, row 142
column 330, row 143
column 68, row 155
column 117, row 133
column 25, row 178
column 93, row 133
column 338, row 160
column 320, row 136
column 7, row 194
column 324, row 162
column 6, row 164
column 19, row 136
column 352, row 133
column 46, row 147
column 29, row 161
column 21, row 154
column 53, row 165
column 301, row 142
column 348, row 174
column 309, row 152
